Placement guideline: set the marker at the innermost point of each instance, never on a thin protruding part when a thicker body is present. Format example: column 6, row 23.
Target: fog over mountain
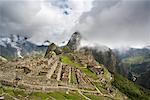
column 113, row 23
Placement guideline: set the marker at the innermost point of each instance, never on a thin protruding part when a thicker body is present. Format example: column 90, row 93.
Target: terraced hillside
column 73, row 73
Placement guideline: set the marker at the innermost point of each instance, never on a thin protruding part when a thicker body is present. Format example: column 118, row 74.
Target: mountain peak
column 52, row 48
column 74, row 41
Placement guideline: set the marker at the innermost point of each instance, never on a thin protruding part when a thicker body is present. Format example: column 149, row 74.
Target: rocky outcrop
column 52, row 49
column 74, row 41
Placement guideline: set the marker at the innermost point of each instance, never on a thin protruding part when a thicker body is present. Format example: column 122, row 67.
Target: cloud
column 108, row 22
column 117, row 23
column 42, row 19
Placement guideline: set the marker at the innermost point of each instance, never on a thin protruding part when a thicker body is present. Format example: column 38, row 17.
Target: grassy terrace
column 11, row 94
column 100, row 87
column 66, row 60
column 92, row 97
column 73, row 78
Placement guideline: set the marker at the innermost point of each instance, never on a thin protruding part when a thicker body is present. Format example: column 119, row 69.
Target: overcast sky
column 113, row 23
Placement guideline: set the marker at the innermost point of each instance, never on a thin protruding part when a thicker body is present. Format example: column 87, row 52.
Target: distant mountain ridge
column 18, row 46
column 135, row 65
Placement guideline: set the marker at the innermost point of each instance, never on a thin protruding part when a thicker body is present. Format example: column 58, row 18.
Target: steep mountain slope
column 144, row 79
column 106, row 57
column 132, row 90
column 135, row 65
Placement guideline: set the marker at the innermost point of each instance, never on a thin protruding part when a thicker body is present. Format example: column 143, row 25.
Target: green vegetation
column 137, row 64
column 50, row 54
column 67, row 60
column 39, row 96
column 100, row 87
column 65, row 96
column 92, row 97
column 132, row 90
column 66, row 49
column 89, row 73
column 107, row 74
column 11, row 93
column 136, row 59
column 73, row 78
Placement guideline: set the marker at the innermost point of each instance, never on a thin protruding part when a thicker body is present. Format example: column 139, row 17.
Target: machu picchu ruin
column 58, row 70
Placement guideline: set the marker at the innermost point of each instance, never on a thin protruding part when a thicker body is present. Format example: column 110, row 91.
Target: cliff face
column 107, row 58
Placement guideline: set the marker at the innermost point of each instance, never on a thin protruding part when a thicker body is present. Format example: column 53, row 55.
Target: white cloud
column 41, row 20
column 117, row 23
column 107, row 22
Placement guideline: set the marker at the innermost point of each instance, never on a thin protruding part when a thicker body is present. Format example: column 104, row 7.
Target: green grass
column 129, row 88
column 67, row 60
column 10, row 93
column 100, row 87
column 73, row 78
column 39, row 96
column 1, row 90
column 57, row 95
column 64, row 96
column 19, row 92
column 107, row 74
column 89, row 73
column 92, row 97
